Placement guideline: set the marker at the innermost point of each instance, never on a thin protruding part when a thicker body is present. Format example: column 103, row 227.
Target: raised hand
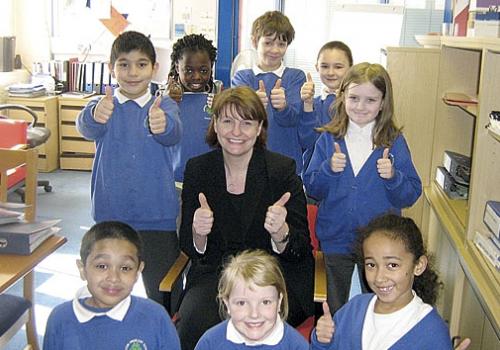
column 385, row 167
column 157, row 119
column 325, row 328
column 174, row 89
column 278, row 99
column 104, row 108
column 262, row 93
column 203, row 217
column 338, row 160
column 307, row 91
column 275, row 222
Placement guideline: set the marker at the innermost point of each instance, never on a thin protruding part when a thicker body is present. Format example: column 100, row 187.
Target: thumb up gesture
column 338, row 160
column 262, row 93
column 104, row 108
column 278, row 100
column 203, row 217
column 325, row 328
column 174, row 89
column 275, row 222
column 307, row 92
column 157, row 119
column 385, row 167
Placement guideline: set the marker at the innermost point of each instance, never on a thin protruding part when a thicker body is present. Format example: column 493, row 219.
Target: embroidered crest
column 136, row 344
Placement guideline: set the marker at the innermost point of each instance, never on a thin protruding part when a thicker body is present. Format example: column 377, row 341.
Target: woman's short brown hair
column 241, row 101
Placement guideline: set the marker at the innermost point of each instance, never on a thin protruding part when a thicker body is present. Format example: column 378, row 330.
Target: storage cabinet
column 46, row 110
column 414, row 74
column 468, row 66
column 76, row 152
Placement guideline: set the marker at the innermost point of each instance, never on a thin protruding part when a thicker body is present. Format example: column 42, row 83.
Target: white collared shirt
column 381, row 331
column 272, row 339
column 325, row 93
column 141, row 100
column 279, row 71
column 84, row 314
column 359, row 144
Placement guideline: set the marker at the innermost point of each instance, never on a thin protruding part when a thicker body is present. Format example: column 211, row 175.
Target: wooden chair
column 17, row 311
column 178, row 271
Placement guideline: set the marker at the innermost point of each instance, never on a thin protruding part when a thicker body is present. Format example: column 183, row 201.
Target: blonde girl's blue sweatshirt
column 347, row 202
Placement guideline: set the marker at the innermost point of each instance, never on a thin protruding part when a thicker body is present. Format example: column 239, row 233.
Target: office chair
column 174, row 279
column 14, row 315
column 11, row 136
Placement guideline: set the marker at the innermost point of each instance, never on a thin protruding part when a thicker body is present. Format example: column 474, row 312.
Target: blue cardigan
column 282, row 131
column 146, row 323
column 347, row 202
column 133, row 175
column 431, row 333
column 215, row 339
column 311, row 120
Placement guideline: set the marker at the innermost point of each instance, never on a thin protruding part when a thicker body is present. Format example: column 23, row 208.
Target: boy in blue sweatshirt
column 277, row 86
column 132, row 174
column 104, row 315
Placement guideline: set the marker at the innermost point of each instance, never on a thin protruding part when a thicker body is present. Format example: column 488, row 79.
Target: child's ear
column 110, row 66
column 81, row 269
column 141, row 267
column 254, row 42
column 420, row 266
column 156, row 66
column 226, row 302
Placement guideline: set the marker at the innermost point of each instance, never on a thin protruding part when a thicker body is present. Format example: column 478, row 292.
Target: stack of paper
column 27, row 90
column 24, row 237
column 9, row 216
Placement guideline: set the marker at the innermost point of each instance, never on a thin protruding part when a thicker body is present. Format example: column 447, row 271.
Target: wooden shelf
column 494, row 134
column 451, row 212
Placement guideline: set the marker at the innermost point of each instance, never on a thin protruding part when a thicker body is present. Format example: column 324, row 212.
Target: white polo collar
column 83, row 314
column 325, row 93
column 279, row 71
column 141, row 100
column 272, row 339
column 355, row 129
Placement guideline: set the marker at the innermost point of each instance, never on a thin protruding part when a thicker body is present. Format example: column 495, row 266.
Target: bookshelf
column 76, row 152
column 470, row 299
column 46, row 109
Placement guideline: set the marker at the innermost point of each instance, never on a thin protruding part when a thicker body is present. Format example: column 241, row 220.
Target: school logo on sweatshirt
column 136, row 344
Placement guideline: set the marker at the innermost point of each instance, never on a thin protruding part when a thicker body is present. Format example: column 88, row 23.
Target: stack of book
column 27, row 90
column 24, row 237
column 9, row 216
column 489, row 243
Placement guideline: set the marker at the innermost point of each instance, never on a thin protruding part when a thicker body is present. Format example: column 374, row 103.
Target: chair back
column 312, row 213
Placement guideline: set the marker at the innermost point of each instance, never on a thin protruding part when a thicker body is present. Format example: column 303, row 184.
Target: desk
column 15, row 267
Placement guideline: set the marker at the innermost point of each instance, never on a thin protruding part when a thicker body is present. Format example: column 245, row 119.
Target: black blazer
column 241, row 227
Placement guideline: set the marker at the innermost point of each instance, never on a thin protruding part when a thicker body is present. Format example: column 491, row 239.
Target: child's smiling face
column 253, row 309
column 111, row 270
column 390, row 270
column 332, row 65
column 195, row 70
column 270, row 51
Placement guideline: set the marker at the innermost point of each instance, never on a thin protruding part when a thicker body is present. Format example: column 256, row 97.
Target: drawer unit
column 76, row 152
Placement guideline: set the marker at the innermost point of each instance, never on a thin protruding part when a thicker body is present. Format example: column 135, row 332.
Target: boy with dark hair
column 277, row 86
column 132, row 176
column 104, row 315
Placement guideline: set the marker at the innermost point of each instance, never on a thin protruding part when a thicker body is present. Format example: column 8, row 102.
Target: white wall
column 31, row 28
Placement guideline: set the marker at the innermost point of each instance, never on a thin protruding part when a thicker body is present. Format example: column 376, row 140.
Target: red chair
column 13, row 135
column 319, row 272
column 19, row 134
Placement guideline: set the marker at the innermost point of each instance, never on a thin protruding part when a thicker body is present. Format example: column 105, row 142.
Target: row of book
column 17, row 236
column 78, row 76
column 489, row 243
